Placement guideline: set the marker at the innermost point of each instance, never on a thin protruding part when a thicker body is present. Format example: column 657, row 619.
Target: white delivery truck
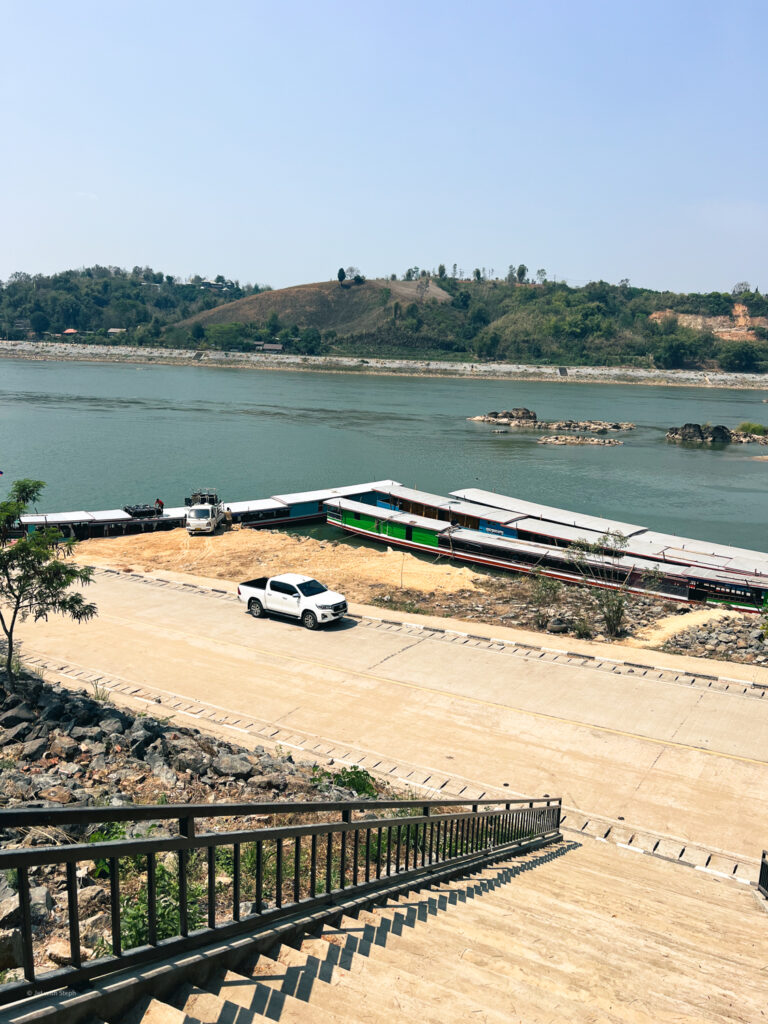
column 204, row 512
column 297, row 597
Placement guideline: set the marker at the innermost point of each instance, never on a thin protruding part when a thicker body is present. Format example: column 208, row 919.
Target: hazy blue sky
column 275, row 142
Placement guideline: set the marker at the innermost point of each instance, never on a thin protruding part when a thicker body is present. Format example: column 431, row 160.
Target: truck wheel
column 309, row 620
column 256, row 608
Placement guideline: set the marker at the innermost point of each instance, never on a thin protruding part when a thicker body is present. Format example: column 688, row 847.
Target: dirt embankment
column 736, row 327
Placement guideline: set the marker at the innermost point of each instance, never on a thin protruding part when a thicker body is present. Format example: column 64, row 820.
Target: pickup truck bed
column 259, row 584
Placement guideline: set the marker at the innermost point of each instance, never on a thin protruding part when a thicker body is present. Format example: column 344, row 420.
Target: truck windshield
column 200, row 513
column 312, row 587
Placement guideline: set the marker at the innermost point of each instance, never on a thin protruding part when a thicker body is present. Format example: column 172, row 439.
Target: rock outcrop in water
column 579, row 439
column 697, row 433
column 526, row 419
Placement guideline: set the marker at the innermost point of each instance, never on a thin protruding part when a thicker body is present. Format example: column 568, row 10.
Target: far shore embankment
column 68, row 352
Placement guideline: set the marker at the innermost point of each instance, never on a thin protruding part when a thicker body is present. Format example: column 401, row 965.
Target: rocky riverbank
column 526, row 419
column 579, row 439
column 64, row 351
column 741, row 640
column 697, row 433
column 59, row 747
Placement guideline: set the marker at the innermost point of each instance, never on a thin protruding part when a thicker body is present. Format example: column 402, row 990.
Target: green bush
column 353, row 777
column 134, row 909
column 751, row 428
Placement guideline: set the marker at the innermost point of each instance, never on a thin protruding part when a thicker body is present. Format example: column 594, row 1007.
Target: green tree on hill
column 342, row 275
column 39, row 322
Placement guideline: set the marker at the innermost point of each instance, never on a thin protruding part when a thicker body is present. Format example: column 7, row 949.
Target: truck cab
column 204, row 512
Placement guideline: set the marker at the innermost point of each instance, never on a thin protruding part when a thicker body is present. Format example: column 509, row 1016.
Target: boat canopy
column 547, row 512
column 261, row 505
column 390, row 515
column 334, row 492
column 467, row 508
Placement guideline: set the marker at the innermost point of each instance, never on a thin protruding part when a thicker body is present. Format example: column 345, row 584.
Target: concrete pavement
column 667, row 756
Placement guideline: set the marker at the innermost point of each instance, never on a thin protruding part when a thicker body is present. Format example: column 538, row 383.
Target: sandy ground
column 659, row 632
column 360, row 574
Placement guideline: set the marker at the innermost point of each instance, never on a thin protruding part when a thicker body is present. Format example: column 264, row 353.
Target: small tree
column 522, row 272
column 34, row 580
column 441, row 271
column 23, row 493
column 342, row 275
column 611, row 601
column 545, row 593
column 198, row 331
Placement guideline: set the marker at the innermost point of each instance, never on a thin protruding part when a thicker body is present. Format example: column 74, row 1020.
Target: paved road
column 688, row 761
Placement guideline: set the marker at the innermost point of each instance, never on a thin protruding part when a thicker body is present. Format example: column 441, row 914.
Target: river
column 104, row 435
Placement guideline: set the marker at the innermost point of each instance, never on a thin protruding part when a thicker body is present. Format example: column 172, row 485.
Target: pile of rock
column 526, row 419
column 507, row 602
column 730, row 639
column 61, row 747
column 697, row 433
column 578, row 439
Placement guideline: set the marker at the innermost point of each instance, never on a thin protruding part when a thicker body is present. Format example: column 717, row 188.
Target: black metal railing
column 762, row 881
column 170, row 894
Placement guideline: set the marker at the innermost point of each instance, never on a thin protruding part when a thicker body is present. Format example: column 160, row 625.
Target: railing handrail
column 28, row 817
column 301, row 868
column 37, row 856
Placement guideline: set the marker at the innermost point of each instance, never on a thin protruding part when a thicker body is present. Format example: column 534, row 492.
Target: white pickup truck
column 298, row 597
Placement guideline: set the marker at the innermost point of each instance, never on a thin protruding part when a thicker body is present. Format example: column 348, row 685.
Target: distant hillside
column 101, row 299
column 420, row 317
column 547, row 322
column 347, row 309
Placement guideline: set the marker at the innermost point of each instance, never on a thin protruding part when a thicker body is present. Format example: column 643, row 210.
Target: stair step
column 153, row 1011
column 260, row 1000
column 397, row 990
column 207, row 1008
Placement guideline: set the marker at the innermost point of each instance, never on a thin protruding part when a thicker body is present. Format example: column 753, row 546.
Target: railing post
column 187, row 830
column 762, row 882
column 236, row 882
column 74, row 920
column 346, row 817
column 28, row 954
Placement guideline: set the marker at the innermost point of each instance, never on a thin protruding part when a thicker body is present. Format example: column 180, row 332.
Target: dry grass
column 324, row 305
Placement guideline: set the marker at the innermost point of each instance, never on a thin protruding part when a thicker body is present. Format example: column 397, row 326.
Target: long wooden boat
column 511, row 539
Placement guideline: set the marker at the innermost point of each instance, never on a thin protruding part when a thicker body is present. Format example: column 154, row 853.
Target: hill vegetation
column 418, row 316
column 95, row 299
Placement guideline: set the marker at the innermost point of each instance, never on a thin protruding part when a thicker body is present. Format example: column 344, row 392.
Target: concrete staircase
column 572, row 933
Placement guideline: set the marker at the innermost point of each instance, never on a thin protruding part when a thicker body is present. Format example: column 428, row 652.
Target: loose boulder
column 10, row 948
